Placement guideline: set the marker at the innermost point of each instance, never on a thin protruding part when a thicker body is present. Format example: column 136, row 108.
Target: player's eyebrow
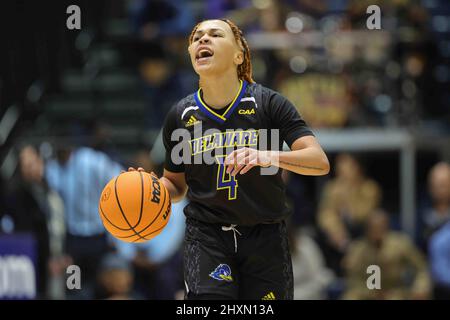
column 200, row 31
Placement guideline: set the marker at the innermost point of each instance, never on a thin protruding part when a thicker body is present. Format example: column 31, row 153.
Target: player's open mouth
column 203, row 55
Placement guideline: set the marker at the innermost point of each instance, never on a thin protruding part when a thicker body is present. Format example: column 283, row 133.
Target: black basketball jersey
column 215, row 196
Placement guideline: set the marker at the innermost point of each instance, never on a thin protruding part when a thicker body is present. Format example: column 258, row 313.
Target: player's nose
column 205, row 39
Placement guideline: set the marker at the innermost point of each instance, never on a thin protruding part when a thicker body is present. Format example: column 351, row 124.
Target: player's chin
column 204, row 64
column 205, row 69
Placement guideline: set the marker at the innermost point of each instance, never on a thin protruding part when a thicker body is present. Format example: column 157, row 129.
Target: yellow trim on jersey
column 229, row 106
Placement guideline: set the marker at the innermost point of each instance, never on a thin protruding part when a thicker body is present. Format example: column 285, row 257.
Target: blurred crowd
column 337, row 74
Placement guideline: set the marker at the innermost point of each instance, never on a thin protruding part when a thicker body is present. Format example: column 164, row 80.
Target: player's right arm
column 175, row 183
column 173, row 177
column 174, row 172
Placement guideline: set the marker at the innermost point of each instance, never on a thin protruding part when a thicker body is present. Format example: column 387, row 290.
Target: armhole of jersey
column 259, row 95
column 259, row 99
column 177, row 115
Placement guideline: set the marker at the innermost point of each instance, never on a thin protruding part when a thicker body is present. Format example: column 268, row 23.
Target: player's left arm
column 306, row 157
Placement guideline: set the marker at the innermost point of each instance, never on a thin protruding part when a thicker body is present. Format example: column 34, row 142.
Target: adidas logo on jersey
column 269, row 296
column 192, row 120
column 248, row 111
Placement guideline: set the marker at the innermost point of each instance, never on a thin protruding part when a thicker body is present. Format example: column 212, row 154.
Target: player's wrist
column 268, row 158
column 274, row 158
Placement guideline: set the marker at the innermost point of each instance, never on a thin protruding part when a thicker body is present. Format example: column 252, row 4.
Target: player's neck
column 219, row 91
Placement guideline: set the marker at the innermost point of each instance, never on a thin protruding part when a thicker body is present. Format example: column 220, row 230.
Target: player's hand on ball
column 130, row 169
column 242, row 160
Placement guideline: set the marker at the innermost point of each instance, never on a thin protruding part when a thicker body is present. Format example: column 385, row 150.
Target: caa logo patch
column 222, row 273
column 250, row 111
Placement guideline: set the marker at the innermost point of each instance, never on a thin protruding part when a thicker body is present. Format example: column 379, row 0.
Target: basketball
column 134, row 206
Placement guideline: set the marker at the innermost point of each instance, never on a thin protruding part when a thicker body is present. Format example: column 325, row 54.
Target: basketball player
column 236, row 244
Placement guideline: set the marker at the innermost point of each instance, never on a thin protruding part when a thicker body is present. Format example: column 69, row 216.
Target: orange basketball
column 134, row 206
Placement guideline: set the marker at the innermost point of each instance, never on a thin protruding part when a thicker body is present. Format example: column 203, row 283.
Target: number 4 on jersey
column 226, row 180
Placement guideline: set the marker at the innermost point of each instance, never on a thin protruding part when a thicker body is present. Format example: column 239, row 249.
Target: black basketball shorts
column 237, row 262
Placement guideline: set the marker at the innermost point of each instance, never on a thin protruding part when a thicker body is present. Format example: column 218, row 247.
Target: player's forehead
column 211, row 25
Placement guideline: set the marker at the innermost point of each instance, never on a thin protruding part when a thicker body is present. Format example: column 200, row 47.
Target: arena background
column 379, row 98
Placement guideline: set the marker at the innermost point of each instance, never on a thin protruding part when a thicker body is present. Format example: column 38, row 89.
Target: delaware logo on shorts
column 222, row 273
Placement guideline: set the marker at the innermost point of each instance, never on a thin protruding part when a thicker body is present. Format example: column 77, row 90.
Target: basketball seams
column 149, row 225
column 140, row 214
column 142, row 200
column 167, row 221
column 157, row 230
column 120, row 208
column 104, row 215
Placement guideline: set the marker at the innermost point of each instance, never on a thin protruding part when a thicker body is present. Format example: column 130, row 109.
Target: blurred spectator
column 311, row 277
column 157, row 263
column 346, row 203
column 314, row 8
column 404, row 272
column 221, row 8
column 438, row 212
column 142, row 159
column 161, row 27
column 249, row 16
column 115, row 278
column 439, row 253
column 102, row 140
column 79, row 175
column 33, row 207
column 151, row 19
column 163, row 84
column 300, row 197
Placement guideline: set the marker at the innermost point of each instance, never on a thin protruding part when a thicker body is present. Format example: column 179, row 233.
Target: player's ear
column 239, row 58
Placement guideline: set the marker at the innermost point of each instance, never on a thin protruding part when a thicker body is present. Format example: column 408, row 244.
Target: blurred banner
column 17, row 267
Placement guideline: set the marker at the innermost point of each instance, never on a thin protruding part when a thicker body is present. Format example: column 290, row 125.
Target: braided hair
column 244, row 70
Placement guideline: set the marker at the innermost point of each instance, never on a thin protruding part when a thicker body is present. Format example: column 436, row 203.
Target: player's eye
column 196, row 38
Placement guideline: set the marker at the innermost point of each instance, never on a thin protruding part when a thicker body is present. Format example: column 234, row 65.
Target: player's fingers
column 229, row 159
column 153, row 174
column 122, row 171
column 250, row 164
column 140, row 169
column 247, row 168
column 237, row 169
column 242, row 152
column 230, row 167
column 243, row 158
column 131, row 169
column 237, row 158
